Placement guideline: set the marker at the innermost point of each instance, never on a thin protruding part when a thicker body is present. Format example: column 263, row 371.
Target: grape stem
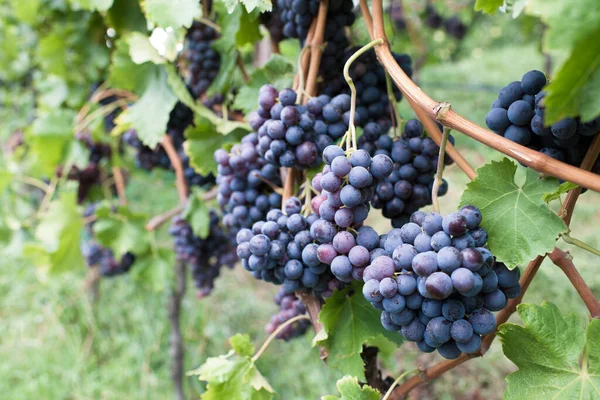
column 275, row 333
column 576, row 242
column 353, row 57
column 440, row 170
column 182, row 187
column 395, row 383
column 210, row 23
column 158, row 220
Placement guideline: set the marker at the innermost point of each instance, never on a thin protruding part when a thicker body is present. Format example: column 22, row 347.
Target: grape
column 360, row 177
column 497, row 120
column 564, row 129
column 404, row 317
column 472, row 216
column 394, row 304
column 461, row 331
column 506, row 277
column 343, row 242
column 439, row 285
column 432, row 223
column 367, row 237
column 341, row 268
column 381, row 267
column 448, row 259
column 359, row 256
column 407, row 284
column 490, row 282
column 449, row 350
column 532, row 82
column 289, row 307
column 439, row 329
column 326, row 253
column 471, row 346
column 483, row 321
column 432, row 308
column 409, row 232
column 454, row 224
column 423, row 242
column 388, row 323
column 203, row 61
column 341, row 166
column 413, row 331
column 388, row 287
column 494, row 300
column 476, row 286
column 414, row 301
column 463, row 279
column 510, row 93
column 512, row 292
column 424, row 347
column 472, row 259
column 371, row 290
column 520, row 113
column 453, row 310
column 424, row 264
column 381, row 166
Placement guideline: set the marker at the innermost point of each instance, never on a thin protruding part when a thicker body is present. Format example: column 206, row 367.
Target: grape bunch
column 435, row 282
column 203, row 60
column 409, row 186
column 292, row 135
column 274, row 24
column 372, row 102
column 518, row 115
column 205, row 256
column 346, row 185
column 289, row 307
column 282, row 250
column 340, row 15
column 245, row 182
column 297, row 15
column 453, row 25
column 145, row 157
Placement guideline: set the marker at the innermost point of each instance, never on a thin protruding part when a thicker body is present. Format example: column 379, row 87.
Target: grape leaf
column 141, row 50
column 91, row 5
column 203, row 140
column 6, row 178
column 350, row 390
column 58, row 234
column 126, row 16
column 278, row 71
column 125, row 74
column 261, row 5
column 153, row 268
column 547, row 351
column 488, row 6
column 575, row 87
column 198, row 215
column 150, row 114
column 122, row 231
column 241, row 345
column 348, row 322
column 234, row 376
column 519, row 224
column 26, row 11
column 562, row 189
column 174, row 13
column 49, row 137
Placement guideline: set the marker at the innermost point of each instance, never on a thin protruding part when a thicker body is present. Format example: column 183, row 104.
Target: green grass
column 56, row 343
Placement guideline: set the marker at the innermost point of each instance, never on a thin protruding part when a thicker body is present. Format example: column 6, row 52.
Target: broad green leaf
column 58, row 235
column 562, row 189
column 153, row 268
column 203, row 140
column 349, row 321
column 241, row 345
column 52, row 91
column 575, row 87
column 141, row 50
column 49, row 137
column 150, row 114
column 278, row 71
column 91, row 5
column 126, row 16
column 122, row 231
column 350, row 390
column 125, row 74
column 488, row 6
column 174, row 13
column 261, row 5
column 26, row 11
column 198, row 215
column 547, row 351
column 520, row 225
column 5, row 179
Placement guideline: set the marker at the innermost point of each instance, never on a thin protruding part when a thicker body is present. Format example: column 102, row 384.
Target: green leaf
column 127, row 16
column 261, row 5
column 547, row 351
column 520, row 225
column 5, row 179
column 125, row 74
column 562, row 189
column 349, row 321
column 150, row 114
column 91, row 5
column 278, row 71
column 141, row 50
column 488, row 6
column 26, row 11
column 58, row 234
column 49, row 137
column 122, row 231
column 574, row 90
column 203, row 140
column 174, row 13
column 241, row 345
column 350, row 390
column 153, row 268
column 198, row 215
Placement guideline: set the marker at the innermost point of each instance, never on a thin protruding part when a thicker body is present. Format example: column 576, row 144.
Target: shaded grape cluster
column 203, row 61
column 289, row 307
column 205, row 256
column 409, row 186
column 297, row 15
column 340, row 15
column 273, row 22
column 282, row 250
column 435, row 283
column 245, row 181
column 518, row 115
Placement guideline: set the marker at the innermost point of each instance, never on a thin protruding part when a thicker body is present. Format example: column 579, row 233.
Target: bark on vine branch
column 316, row 49
column 182, row 187
column 158, row 220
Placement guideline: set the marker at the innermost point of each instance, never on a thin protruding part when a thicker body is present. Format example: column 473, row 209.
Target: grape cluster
column 435, row 282
column 372, row 102
column 453, row 25
column 145, row 157
column 203, row 60
column 282, row 250
column 297, row 15
column 346, row 185
column 409, row 186
column 293, row 135
column 274, row 24
column 245, row 183
column 339, row 16
column 289, row 307
column 518, row 115
column 205, row 256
